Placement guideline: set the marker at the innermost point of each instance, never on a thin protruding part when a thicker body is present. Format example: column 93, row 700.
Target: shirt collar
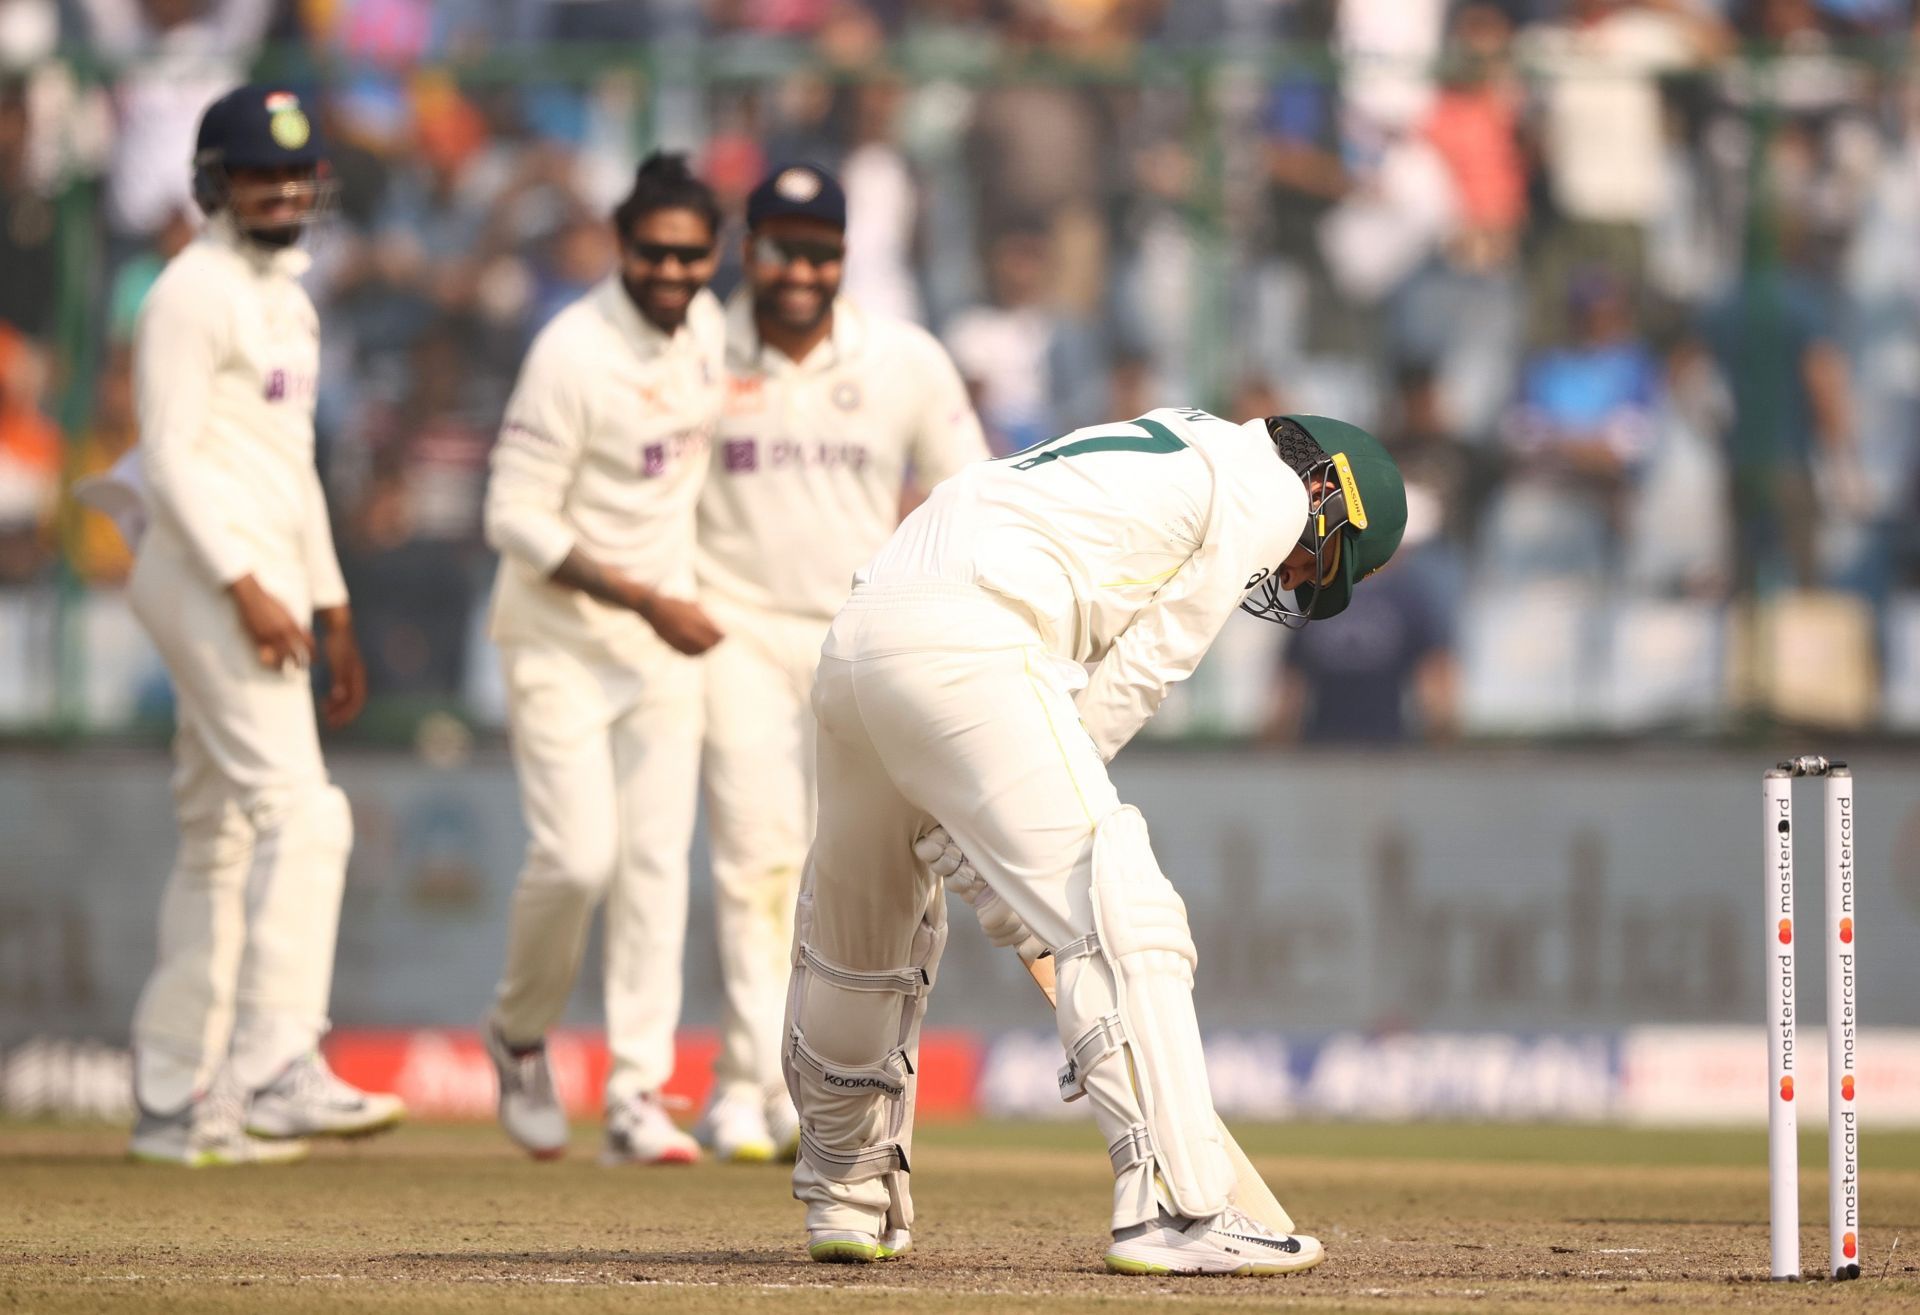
column 746, row 351
column 288, row 262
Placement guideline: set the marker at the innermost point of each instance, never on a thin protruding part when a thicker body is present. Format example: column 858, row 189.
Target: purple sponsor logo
column 740, row 454
column 653, row 459
column 281, row 385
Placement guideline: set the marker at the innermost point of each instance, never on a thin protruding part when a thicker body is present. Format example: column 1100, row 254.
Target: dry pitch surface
column 1426, row 1219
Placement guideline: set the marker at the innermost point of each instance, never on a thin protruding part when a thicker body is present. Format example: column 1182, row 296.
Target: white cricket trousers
column 935, row 702
column 252, row 908
column 758, row 772
column 608, row 754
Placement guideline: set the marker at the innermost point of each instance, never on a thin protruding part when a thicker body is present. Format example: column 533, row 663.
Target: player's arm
column 1171, row 634
column 542, row 442
column 347, row 673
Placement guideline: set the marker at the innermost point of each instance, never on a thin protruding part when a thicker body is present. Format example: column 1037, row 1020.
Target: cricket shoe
column 1230, row 1242
column 640, row 1131
column 734, row 1128
column 309, row 1099
column 839, row 1247
column 530, row 1109
column 209, row 1132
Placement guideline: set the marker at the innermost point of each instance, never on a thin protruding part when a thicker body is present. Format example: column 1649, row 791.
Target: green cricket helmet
column 1354, row 520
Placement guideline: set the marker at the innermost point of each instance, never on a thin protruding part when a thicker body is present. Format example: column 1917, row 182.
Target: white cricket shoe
column 1227, row 1243
column 734, row 1128
column 208, row 1132
column 530, row 1109
column 640, row 1131
column 309, row 1099
column 783, row 1125
column 839, row 1247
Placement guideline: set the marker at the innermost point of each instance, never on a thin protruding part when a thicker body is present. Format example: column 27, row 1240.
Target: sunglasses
column 658, row 253
column 786, row 250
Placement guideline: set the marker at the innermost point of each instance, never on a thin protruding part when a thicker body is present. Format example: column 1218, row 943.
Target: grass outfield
column 1424, row 1218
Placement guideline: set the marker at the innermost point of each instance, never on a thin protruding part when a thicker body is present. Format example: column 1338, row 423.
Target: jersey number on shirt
column 1158, row 438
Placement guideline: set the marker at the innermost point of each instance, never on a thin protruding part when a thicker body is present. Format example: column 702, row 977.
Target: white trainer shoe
column 1228, row 1243
column 640, row 1131
column 210, row 1132
column 734, row 1128
column 783, row 1125
column 836, row 1247
column 309, row 1099
column 530, row 1109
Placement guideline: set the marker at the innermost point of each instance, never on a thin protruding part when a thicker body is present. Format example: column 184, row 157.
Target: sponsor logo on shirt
column 657, row 456
column 288, row 385
column 740, row 456
column 846, row 395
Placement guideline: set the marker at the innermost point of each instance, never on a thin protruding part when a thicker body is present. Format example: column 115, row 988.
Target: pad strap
column 1132, row 1147
column 853, row 1166
column 1104, row 1038
column 910, row 982
column 1085, row 947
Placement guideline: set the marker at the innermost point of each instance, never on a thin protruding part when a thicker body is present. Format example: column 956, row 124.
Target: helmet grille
column 1295, row 445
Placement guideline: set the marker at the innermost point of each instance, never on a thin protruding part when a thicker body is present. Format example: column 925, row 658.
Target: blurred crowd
column 1631, row 287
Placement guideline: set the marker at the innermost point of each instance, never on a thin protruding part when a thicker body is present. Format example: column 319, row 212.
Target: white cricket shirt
column 603, row 446
column 1129, row 545
column 226, row 356
column 811, row 455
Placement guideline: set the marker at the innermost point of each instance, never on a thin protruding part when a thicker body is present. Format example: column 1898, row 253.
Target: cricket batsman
column 831, row 411
column 590, row 504
column 234, row 562
column 1009, row 639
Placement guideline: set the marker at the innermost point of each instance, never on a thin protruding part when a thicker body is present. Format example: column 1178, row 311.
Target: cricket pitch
column 1426, row 1218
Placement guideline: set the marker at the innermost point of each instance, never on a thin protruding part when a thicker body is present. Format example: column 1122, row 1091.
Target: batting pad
column 852, row 1037
column 1142, row 925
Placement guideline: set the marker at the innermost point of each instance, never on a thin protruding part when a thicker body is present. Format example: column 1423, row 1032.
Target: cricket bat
column 1250, row 1191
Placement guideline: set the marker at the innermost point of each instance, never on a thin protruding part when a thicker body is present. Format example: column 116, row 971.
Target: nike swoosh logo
column 1288, row 1245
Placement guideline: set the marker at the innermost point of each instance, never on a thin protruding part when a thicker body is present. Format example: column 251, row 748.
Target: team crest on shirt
column 846, row 395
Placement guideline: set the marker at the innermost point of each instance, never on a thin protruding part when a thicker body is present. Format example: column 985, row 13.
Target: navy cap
column 257, row 127
column 798, row 189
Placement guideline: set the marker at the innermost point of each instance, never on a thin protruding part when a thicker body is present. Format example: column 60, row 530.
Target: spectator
column 96, row 550
column 1792, row 444
column 174, row 57
column 1027, row 364
column 1581, row 428
column 882, row 209
column 1603, row 134
column 30, row 454
column 26, row 225
column 1381, row 673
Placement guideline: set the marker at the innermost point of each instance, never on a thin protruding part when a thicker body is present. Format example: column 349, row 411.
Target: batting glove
column 997, row 918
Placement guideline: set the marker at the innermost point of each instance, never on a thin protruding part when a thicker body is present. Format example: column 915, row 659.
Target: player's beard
column 768, row 306
column 663, row 313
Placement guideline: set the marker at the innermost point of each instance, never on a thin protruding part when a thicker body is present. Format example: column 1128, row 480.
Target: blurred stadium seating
column 1607, row 358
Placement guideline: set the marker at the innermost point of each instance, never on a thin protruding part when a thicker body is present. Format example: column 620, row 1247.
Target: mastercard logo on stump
column 1786, row 931
column 1846, row 931
column 1846, row 1088
column 1848, row 1247
column 1786, row 1088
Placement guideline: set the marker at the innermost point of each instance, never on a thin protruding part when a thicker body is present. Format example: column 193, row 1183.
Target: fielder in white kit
column 591, row 505
column 830, row 412
column 234, row 560
column 1010, row 638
